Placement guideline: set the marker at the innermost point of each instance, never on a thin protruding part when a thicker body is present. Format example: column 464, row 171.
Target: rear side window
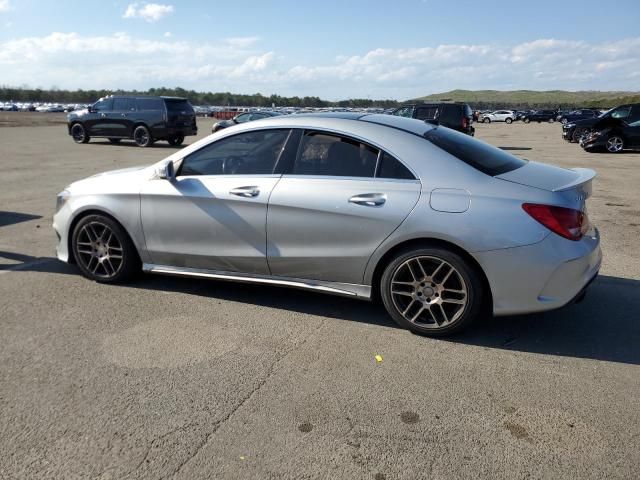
column 146, row 104
column 451, row 115
column 123, row 104
column 482, row 156
column 389, row 167
column 178, row 106
column 426, row 113
column 331, row 155
column 404, row 112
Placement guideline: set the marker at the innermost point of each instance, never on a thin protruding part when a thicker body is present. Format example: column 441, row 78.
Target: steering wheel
column 232, row 165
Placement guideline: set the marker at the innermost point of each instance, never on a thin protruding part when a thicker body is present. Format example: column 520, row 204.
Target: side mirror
column 166, row 171
column 90, row 109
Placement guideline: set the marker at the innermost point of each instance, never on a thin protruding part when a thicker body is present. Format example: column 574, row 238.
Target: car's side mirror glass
column 166, row 171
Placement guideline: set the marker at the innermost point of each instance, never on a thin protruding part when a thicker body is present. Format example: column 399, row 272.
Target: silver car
column 439, row 226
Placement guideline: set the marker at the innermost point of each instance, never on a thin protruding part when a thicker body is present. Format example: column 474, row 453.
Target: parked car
column 506, row 116
column 615, row 137
column 576, row 115
column 438, row 225
column 457, row 116
column 540, row 116
column 574, row 131
column 242, row 118
column 141, row 118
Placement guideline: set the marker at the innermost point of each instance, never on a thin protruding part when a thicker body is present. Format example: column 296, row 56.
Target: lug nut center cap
column 428, row 291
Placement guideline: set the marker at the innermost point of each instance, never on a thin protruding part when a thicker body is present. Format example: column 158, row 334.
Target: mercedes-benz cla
column 439, row 226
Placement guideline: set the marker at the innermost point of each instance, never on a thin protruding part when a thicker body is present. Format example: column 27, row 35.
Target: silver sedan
column 442, row 228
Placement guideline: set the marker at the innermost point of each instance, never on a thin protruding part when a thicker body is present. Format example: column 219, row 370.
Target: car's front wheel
column 142, row 136
column 509, row 120
column 615, row 144
column 431, row 291
column 578, row 133
column 103, row 250
column 486, row 120
column 79, row 134
column 527, row 120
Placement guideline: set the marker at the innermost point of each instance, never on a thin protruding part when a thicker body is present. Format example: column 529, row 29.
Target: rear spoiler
column 585, row 175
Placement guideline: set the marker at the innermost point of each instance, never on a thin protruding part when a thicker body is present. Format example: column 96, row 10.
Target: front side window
column 245, row 117
column 331, row 155
column 248, row 153
column 103, row 105
column 404, row 112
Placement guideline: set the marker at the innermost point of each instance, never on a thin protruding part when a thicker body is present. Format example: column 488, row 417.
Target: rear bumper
column 186, row 131
column 544, row 276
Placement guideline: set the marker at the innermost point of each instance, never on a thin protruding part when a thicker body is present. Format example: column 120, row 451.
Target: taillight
column 465, row 122
column 566, row 222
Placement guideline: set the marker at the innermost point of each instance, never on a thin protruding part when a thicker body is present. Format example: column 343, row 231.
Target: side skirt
column 343, row 289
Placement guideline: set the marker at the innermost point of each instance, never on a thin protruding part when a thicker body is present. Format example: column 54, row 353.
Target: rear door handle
column 251, row 191
column 369, row 199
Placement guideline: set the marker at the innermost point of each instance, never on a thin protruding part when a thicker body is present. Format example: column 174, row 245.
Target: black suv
column 143, row 119
column 540, row 116
column 457, row 116
column 614, row 120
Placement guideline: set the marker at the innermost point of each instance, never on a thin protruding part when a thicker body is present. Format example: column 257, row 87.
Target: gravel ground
column 188, row 379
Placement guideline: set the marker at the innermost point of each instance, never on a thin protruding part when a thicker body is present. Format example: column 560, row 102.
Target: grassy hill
column 534, row 98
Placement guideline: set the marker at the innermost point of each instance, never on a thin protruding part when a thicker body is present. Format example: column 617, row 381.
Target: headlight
column 61, row 199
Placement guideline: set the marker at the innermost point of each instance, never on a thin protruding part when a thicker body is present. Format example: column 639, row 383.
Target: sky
column 331, row 49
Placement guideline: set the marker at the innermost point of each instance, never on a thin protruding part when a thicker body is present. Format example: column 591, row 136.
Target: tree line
column 196, row 98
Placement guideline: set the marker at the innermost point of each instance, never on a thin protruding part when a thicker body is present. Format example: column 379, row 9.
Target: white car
column 507, row 116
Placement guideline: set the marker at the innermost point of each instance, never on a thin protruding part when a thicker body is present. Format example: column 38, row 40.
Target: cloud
column 150, row 12
column 5, row 6
column 168, row 35
column 239, row 64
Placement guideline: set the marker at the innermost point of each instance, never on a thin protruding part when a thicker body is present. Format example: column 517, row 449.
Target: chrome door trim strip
column 335, row 288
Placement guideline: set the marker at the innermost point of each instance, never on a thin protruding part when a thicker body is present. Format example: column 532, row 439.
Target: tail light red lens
column 566, row 222
column 465, row 122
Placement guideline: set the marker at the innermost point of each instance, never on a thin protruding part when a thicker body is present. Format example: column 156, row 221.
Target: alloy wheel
column 429, row 292
column 615, row 144
column 78, row 133
column 99, row 250
column 142, row 136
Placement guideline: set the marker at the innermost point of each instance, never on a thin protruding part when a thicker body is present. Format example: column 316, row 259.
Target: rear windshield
column 178, row 106
column 482, row 156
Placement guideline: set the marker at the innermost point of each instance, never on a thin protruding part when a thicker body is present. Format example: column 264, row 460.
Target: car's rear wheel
column 176, row 140
column 115, row 140
column 142, row 136
column 551, row 120
column 431, row 291
column 79, row 134
column 527, row 120
column 509, row 120
column 486, row 120
column 103, row 250
column 615, row 144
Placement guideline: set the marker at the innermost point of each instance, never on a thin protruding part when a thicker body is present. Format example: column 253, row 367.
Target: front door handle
column 369, row 199
column 123, row 114
column 247, row 192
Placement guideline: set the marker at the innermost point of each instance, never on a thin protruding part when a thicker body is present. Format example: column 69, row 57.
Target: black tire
column 509, row 121
column 551, row 120
column 418, row 291
column 527, row 120
column 615, row 143
column 578, row 133
column 86, row 256
column 79, row 134
column 176, row 140
column 115, row 141
column 142, row 136
column 486, row 120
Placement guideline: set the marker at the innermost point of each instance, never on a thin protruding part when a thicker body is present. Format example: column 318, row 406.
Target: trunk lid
column 551, row 178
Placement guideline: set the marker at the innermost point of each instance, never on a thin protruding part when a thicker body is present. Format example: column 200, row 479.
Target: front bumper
column 543, row 276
